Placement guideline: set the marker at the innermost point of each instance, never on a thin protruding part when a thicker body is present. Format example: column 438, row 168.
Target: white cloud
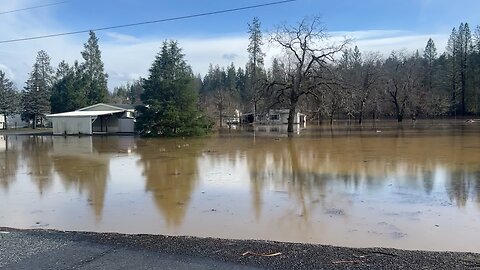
column 121, row 38
column 8, row 72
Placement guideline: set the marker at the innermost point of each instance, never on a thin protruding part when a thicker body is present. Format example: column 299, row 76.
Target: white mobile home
column 98, row 118
column 280, row 116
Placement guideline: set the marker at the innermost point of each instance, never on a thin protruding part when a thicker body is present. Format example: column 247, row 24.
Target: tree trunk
column 360, row 115
column 254, row 111
column 221, row 118
column 291, row 117
column 399, row 117
column 332, row 115
column 463, row 93
column 34, row 121
column 5, row 125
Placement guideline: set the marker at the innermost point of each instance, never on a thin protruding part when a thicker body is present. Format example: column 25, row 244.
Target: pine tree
column 465, row 45
column 256, row 55
column 37, row 91
column 67, row 90
column 136, row 91
column 256, row 61
column 429, row 56
column 93, row 72
column 453, row 56
column 356, row 58
column 475, row 63
column 170, row 98
column 9, row 99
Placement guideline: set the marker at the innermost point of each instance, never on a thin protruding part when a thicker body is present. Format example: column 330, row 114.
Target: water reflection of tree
column 87, row 174
column 283, row 167
column 170, row 169
column 303, row 166
column 462, row 186
column 428, row 181
column 36, row 153
column 8, row 161
column 113, row 144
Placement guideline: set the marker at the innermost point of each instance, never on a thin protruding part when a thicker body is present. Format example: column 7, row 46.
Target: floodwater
column 414, row 187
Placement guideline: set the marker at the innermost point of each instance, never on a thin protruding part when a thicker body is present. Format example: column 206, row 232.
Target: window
column 274, row 117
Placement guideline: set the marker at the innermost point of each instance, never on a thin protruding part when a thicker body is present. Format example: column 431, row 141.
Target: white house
column 98, row 118
column 273, row 117
column 2, row 121
column 280, row 116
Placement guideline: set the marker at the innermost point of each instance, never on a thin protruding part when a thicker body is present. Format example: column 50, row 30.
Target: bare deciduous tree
column 402, row 82
column 308, row 60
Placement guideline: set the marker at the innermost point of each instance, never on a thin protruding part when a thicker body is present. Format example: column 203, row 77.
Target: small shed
column 98, row 118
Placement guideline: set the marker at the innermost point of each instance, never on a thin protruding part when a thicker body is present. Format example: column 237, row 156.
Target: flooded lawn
column 416, row 187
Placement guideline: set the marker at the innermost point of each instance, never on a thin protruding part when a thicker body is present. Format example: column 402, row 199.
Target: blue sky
column 219, row 39
column 339, row 15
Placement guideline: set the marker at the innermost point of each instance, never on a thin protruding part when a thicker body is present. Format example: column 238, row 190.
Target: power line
column 34, row 7
column 151, row 22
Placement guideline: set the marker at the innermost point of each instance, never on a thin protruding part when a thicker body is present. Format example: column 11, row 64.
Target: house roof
column 123, row 106
column 113, row 106
column 84, row 113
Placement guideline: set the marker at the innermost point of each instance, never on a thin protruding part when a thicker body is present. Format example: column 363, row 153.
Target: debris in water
column 348, row 262
column 335, row 211
column 261, row 254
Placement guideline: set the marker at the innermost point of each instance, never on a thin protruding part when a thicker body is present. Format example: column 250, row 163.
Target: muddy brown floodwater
column 413, row 187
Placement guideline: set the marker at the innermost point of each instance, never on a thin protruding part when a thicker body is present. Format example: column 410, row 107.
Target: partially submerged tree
column 402, row 83
column 219, row 92
column 360, row 75
column 170, row 98
column 308, row 62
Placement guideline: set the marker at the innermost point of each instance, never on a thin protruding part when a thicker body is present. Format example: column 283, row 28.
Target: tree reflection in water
column 85, row 174
column 292, row 183
column 81, row 167
column 170, row 169
column 36, row 153
column 307, row 168
column 8, row 161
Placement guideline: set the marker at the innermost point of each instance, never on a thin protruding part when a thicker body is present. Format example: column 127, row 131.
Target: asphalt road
column 48, row 249
column 22, row 250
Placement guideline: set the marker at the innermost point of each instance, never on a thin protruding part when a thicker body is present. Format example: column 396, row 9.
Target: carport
column 87, row 122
